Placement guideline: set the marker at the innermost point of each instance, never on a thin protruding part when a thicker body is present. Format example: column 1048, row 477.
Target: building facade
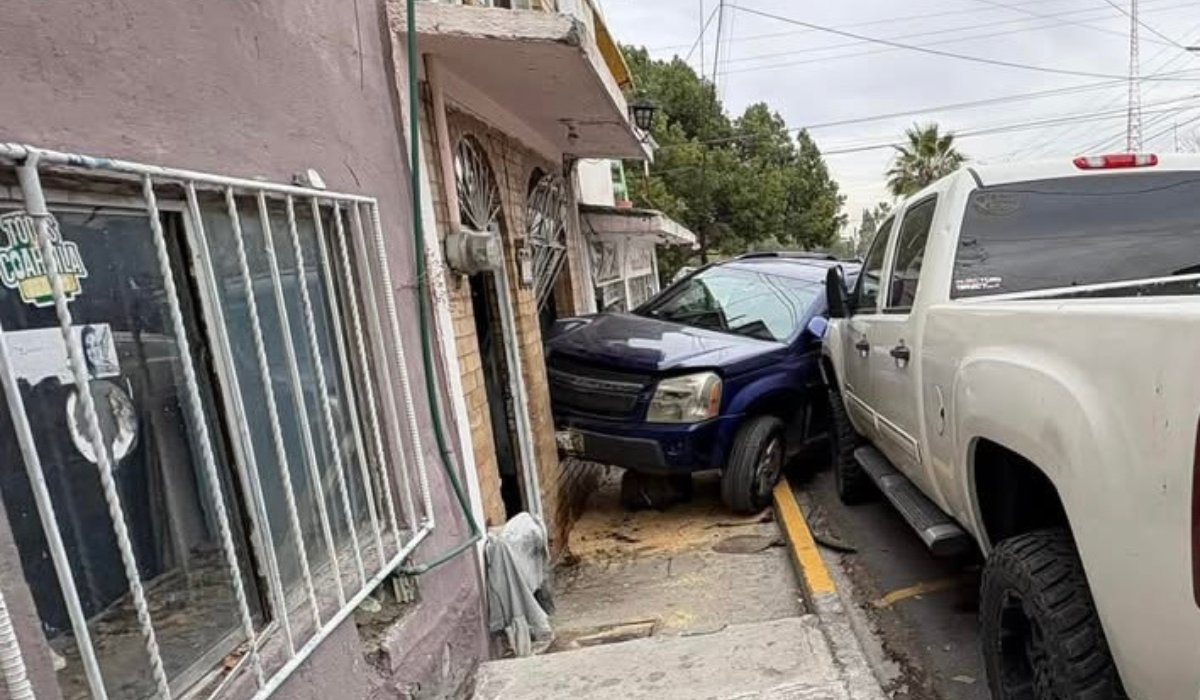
column 520, row 102
column 209, row 201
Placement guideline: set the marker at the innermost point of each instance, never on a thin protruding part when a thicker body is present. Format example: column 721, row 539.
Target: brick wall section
column 512, row 165
column 564, row 488
column 467, row 345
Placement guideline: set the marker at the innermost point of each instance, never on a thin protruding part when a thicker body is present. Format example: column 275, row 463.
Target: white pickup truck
column 1017, row 368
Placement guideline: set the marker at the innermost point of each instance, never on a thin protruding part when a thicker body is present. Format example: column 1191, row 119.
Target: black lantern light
column 642, row 113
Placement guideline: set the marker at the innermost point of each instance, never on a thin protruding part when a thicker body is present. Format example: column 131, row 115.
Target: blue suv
column 718, row 372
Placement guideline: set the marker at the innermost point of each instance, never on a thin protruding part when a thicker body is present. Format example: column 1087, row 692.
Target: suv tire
column 854, row 485
column 755, row 465
column 1040, row 631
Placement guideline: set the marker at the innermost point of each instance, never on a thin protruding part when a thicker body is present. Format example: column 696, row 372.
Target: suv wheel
column 755, row 465
column 1041, row 635
column 853, row 484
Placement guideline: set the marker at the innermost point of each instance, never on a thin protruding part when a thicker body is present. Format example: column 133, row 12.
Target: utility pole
column 703, row 26
column 1133, row 132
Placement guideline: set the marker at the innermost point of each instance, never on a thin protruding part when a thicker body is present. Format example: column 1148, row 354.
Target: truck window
column 1051, row 234
column 910, row 252
column 866, row 294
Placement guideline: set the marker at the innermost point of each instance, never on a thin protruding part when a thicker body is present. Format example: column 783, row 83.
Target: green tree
column 928, row 155
column 740, row 184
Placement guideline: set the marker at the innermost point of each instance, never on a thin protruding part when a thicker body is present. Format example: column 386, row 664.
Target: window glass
column 642, row 288
column 124, row 325
column 910, row 252
column 866, row 295
column 738, row 300
column 1083, row 230
column 610, row 298
column 292, row 421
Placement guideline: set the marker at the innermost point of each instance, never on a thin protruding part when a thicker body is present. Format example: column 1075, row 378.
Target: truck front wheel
column 755, row 465
column 1040, row 631
column 853, row 484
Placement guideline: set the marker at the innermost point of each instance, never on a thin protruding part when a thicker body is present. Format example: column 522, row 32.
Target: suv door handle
column 902, row 354
column 863, row 347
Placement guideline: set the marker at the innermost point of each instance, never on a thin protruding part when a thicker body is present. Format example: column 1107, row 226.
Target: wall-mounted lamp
column 642, row 113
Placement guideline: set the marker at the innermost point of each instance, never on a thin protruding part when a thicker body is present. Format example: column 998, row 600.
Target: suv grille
column 597, row 391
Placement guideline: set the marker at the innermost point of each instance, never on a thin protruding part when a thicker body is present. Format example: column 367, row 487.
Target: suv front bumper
column 655, row 448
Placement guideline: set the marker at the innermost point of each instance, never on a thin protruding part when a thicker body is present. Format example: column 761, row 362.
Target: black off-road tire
column 854, row 485
column 1041, row 635
column 742, row 488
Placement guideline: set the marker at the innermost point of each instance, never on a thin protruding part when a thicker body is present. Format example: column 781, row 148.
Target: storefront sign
column 22, row 267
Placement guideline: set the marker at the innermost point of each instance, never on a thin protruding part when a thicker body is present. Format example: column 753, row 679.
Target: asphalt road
column 922, row 610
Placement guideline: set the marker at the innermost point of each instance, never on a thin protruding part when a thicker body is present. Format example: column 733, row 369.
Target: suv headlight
column 690, row 398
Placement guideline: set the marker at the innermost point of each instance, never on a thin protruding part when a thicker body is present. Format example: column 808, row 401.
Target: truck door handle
column 863, row 347
column 902, row 354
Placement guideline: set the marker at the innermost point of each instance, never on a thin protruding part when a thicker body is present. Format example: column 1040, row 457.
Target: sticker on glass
column 115, row 415
column 22, row 267
column 978, row 284
column 39, row 353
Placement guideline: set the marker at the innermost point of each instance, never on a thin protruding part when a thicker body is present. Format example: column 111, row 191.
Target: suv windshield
column 1083, row 230
column 737, row 300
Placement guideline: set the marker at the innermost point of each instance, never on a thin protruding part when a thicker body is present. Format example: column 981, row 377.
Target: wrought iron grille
column 274, row 301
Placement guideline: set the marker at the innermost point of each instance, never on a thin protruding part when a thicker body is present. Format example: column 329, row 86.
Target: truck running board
column 940, row 533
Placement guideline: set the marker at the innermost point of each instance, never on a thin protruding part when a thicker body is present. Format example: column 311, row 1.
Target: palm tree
column 927, row 156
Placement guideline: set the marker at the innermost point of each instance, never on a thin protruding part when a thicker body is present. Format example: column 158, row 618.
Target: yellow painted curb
column 800, row 539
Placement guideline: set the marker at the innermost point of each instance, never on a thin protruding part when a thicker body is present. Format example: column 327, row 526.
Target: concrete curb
column 825, row 597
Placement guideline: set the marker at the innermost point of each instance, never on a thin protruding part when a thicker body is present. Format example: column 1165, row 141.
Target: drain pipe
column 431, row 389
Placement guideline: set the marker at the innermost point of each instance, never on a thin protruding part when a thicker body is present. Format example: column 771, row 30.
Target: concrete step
column 786, row 659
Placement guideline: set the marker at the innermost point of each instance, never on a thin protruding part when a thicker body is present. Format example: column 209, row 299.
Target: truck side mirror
column 835, row 293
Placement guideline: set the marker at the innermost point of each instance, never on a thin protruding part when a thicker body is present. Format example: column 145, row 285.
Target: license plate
column 569, row 441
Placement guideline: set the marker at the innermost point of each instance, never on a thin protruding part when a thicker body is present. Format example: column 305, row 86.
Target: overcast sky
column 813, row 77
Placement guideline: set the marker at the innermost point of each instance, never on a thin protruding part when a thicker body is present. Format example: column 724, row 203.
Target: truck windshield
column 733, row 300
column 1051, row 234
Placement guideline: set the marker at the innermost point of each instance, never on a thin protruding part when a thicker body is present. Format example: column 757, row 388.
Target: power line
column 1132, row 15
column 1003, row 99
column 1031, row 13
column 1041, row 145
column 700, row 39
column 932, row 52
column 937, row 32
column 857, row 54
column 853, row 25
column 983, row 132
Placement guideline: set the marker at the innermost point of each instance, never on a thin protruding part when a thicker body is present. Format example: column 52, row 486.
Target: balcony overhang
column 628, row 222
column 530, row 71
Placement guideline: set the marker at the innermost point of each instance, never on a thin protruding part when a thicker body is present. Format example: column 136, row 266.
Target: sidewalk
column 687, row 604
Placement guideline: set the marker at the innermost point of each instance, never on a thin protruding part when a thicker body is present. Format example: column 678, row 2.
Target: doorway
column 497, row 377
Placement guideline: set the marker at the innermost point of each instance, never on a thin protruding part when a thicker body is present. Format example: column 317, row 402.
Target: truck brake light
column 1117, row 160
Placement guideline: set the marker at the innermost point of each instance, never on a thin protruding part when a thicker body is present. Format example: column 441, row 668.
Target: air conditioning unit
column 469, row 252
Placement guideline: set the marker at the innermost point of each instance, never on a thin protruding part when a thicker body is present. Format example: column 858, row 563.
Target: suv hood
column 643, row 344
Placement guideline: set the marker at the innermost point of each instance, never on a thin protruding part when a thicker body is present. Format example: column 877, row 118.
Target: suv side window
column 866, row 294
column 910, row 253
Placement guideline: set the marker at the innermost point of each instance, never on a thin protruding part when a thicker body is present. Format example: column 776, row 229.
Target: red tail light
column 1118, row 160
column 1196, row 519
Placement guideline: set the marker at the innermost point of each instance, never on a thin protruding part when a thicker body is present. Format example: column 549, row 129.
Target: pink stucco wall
column 254, row 88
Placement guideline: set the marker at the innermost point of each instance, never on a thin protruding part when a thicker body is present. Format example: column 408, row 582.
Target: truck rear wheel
column 1040, row 632
column 755, row 465
column 853, row 484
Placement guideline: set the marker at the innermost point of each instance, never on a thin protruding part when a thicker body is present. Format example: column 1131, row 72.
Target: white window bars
column 309, row 414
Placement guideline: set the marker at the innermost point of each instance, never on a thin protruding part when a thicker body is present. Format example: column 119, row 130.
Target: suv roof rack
column 793, row 254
